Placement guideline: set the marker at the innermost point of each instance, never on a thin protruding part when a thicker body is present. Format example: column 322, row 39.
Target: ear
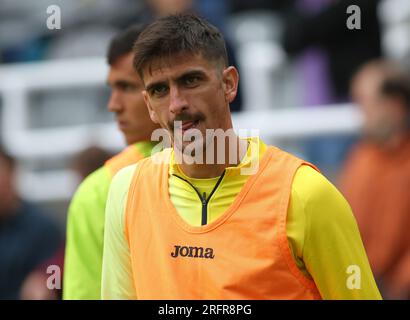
column 397, row 110
column 230, row 78
column 152, row 113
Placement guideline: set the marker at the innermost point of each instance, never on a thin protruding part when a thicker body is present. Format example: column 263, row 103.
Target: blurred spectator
column 346, row 49
column 376, row 176
column 89, row 160
column 27, row 237
column 328, row 54
column 33, row 287
column 215, row 11
column 25, row 37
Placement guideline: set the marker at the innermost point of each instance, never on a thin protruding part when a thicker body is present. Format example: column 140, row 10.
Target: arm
column 325, row 239
column 117, row 280
column 85, row 232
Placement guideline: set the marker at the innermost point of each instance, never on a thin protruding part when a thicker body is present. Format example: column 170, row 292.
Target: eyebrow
column 151, row 86
column 191, row 73
column 124, row 82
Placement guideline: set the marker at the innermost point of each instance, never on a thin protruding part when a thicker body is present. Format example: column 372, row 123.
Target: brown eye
column 191, row 81
column 159, row 90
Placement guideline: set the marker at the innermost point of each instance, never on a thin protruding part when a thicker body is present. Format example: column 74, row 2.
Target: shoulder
column 117, row 198
column 312, row 185
column 124, row 174
column 126, row 157
column 320, row 199
column 129, row 151
column 121, row 181
column 88, row 202
column 148, row 165
column 93, row 188
column 96, row 180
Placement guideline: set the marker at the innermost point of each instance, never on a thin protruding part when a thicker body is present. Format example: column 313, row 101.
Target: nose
column 177, row 102
column 114, row 104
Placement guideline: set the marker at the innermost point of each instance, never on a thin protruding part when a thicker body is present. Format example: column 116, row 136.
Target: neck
column 236, row 147
column 395, row 140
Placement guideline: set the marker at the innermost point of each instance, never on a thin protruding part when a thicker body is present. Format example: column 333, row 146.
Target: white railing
column 16, row 82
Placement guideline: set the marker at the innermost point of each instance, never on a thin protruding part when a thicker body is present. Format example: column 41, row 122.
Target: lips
column 187, row 125
column 121, row 124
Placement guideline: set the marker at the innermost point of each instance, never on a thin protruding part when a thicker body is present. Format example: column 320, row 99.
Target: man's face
column 377, row 122
column 190, row 89
column 127, row 102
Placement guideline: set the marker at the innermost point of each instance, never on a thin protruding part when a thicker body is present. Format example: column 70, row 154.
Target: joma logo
column 193, row 252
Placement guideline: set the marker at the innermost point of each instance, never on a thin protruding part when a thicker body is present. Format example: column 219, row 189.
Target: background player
column 85, row 225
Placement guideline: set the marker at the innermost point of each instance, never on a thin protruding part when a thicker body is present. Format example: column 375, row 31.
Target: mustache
column 186, row 117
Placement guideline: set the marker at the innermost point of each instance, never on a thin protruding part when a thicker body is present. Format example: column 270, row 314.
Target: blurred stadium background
column 294, row 78
column 53, row 93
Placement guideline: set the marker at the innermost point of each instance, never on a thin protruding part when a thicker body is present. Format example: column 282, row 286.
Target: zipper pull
column 204, row 209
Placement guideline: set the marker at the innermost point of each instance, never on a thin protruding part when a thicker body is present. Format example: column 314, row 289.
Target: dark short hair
column 123, row 43
column 7, row 158
column 179, row 34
